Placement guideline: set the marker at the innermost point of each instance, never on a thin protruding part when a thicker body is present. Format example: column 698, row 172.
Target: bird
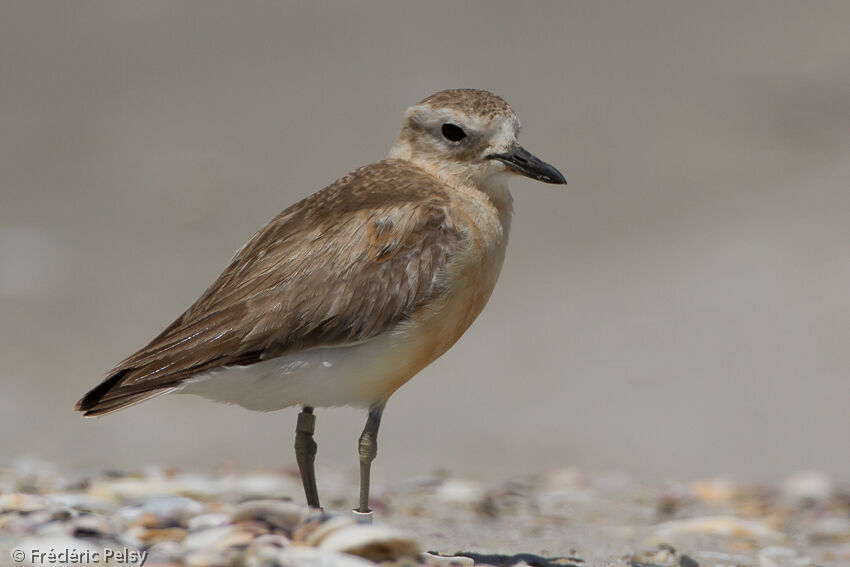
column 347, row 294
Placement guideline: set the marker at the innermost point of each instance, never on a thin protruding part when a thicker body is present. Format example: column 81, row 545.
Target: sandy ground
column 564, row 517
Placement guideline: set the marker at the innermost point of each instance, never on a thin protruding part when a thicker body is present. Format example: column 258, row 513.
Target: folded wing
column 339, row 267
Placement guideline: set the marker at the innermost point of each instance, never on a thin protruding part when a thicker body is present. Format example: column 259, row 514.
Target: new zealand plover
column 349, row 293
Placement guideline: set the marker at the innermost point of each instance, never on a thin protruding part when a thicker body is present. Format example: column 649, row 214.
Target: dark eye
column 453, row 132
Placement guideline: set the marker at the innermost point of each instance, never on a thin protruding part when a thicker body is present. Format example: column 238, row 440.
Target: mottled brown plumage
column 341, row 266
column 472, row 102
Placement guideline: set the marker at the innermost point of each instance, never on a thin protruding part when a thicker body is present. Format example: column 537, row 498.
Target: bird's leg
column 368, row 448
column 305, row 454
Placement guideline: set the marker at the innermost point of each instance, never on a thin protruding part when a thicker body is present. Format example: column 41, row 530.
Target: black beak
column 523, row 162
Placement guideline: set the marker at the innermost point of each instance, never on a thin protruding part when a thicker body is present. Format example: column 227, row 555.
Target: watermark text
column 106, row 556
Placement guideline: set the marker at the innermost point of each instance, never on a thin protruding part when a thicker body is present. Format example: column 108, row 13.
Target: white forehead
column 505, row 131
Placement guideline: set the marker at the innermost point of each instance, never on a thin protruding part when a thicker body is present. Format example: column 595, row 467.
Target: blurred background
column 680, row 309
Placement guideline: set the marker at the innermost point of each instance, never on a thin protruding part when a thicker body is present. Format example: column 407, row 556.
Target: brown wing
column 341, row 266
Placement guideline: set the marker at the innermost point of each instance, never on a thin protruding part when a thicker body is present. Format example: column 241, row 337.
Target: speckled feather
column 341, row 266
column 470, row 101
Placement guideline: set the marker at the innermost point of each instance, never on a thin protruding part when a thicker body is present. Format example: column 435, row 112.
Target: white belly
column 359, row 375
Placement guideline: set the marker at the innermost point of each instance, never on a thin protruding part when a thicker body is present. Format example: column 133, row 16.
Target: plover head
column 468, row 137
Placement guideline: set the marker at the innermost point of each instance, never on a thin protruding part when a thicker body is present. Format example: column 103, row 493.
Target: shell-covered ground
column 161, row 517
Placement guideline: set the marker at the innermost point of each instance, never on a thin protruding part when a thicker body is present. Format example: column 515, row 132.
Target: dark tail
column 108, row 397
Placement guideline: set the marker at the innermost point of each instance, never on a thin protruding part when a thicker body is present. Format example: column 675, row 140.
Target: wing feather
column 341, row 266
